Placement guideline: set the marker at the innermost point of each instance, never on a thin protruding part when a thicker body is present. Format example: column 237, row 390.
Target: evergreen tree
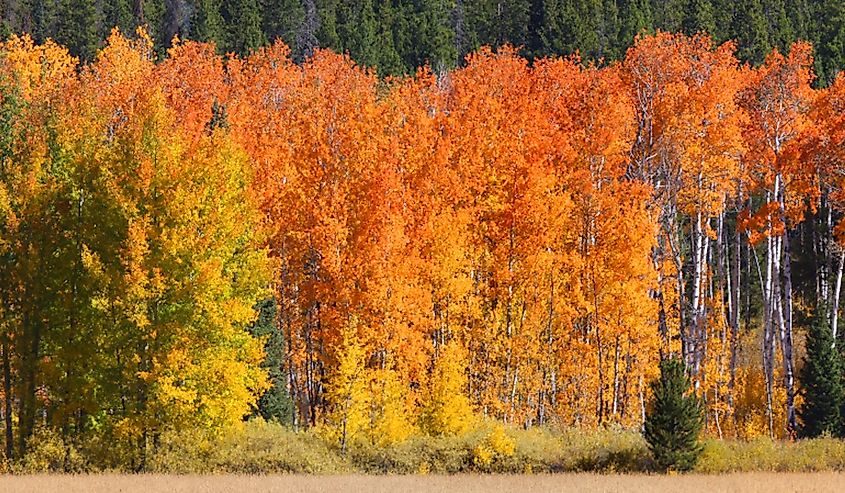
column 749, row 29
column 609, row 47
column 389, row 60
column 77, row 27
column 275, row 404
column 282, row 19
column 328, row 31
column 244, row 25
column 669, row 14
column 117, row 14
column 831, row 43
column 699, row 17
column 821, row 380
column 43, row 16
column 358, row 30
column 676, row 418
column 208, row 23
column 434, row 38
column 636, row 19
column 781, row 33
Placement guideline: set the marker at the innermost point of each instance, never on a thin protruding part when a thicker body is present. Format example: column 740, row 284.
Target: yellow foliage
column 346, row 390
column 500, row 442
column 391, row 415
column 447, row 409
column 482, row 456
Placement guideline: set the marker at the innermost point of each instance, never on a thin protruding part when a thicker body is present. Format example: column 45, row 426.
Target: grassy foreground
column 260, row 448
column 745, row 482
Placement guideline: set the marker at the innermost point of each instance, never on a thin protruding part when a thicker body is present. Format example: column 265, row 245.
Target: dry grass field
column 564, row 483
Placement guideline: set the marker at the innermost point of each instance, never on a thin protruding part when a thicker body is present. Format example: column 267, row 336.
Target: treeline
column 511, row 241
column 397, row 36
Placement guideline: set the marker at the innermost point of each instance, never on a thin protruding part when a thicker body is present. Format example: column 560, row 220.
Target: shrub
column 48, row 452
column 258, row 447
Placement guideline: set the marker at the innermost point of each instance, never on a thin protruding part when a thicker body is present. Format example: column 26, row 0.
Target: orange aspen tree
column 778, row 99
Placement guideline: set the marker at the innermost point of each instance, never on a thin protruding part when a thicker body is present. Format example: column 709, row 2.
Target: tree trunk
column 786, row 336
column 834, row 317
column 7, row 401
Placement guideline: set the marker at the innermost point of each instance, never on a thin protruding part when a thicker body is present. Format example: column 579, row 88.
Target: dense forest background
column 400, row 35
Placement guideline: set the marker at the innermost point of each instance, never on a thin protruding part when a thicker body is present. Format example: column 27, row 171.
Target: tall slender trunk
column 768, row 342
column 786, row 337
column 696, row 322
column 7, row 401
column 834, row 317
column 27, row 401
column 735, row 278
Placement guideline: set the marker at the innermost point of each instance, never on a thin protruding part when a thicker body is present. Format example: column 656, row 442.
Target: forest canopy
column 398, row 36
column 181, row 238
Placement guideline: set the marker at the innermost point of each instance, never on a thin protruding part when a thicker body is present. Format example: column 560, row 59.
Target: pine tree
column 328, row 25
column 244, row 25
column 635, row 18
column 831, row 43
column 699, row 17
column 749, row 29
column 433, row 35
column 77, row 27
column 208, row 23
column 822, row 382
column 675, row 421
column 117, row 13
column 281, row 19
column 389, row 61
column 275, row 404
column 358, row 30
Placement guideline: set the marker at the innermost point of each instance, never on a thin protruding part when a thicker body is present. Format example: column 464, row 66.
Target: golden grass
column 745, row 482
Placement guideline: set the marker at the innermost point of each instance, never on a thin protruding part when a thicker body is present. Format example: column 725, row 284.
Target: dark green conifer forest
column 398, row 36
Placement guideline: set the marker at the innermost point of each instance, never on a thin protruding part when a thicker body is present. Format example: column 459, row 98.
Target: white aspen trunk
column 786, row 312
column 695, row 339
column 768, row 348
column 834, row 322
column 735, row 278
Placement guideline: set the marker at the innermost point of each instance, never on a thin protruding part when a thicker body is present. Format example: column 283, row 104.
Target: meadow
column 469, row 483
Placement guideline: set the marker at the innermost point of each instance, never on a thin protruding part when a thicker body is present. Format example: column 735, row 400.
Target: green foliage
column 244, row 29
column 674, row 422
column 275, row 404
column 398, row 36
column 208, row 23
column 76, row 27
column 822, row 381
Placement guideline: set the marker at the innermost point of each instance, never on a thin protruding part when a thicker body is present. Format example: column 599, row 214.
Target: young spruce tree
column 821, row 380
column 675, row 420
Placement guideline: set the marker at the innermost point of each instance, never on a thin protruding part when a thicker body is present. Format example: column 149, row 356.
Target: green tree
column 389, row 60
column 275, row 404
column 699, row 17
column 831, row 43
column 76, row 27
column 245, row 32
column 675, row 420
column 749, row 29
column 209, row 25
column 434, row 36
column 358, row 29
column 635, row 18
column 821, row 380
column 281, row 19
column 117, row 13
